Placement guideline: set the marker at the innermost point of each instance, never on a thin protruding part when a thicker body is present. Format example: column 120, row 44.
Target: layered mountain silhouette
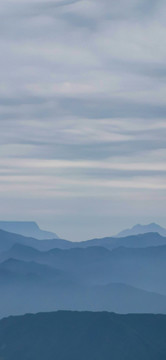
column 111, row 274
column 27, row 228
column 8, row 239
column 86, row 335
column 92, row 278
column 143, row 229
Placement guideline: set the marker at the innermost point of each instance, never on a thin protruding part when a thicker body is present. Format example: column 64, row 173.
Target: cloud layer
column 83, row 113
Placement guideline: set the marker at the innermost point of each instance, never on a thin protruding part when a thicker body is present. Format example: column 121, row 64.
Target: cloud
column 82, row 109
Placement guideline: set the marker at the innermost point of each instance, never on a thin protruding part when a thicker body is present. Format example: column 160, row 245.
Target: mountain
column 110, row 274
column 121, row 298
column 23, row 269
column 32, row 230
column 7, row 240
column 32, row 287
column 27, row 228
column 83, row 335
column 132, row 241
column 39, row 296
column 143, row 229
column 123, row 280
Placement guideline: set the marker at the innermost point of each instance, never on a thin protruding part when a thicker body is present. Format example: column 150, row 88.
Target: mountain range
column 8, row 239
column 114, row 274
column 31, row 229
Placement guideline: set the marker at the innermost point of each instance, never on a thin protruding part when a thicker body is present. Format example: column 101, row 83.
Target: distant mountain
column 143, row 229
column 68, row 335
column 132, row 241
column 110, row 274
column 27, row 228
column 7, row 240
column 123, row 280
column 22, row 269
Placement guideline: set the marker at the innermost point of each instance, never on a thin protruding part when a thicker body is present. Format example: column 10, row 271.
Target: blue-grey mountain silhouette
column 7, row 240
column 90, row 278
column 93, row 275
column 27, row 228
column 83, row 335
column 143, row 229
column 133, row 241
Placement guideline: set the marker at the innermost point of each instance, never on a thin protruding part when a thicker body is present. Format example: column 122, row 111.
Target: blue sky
column 83, row 114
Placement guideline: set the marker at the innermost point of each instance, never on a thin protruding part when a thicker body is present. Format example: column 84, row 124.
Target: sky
column 83, row 114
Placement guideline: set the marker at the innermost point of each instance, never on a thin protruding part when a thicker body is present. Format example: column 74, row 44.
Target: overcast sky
column 83, row 114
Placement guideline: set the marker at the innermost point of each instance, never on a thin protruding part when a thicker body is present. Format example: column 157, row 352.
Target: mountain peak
column 143, row 229
column 27, row 228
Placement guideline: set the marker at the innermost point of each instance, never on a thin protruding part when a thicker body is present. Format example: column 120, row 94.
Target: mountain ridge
column 28, row 229
column 7, row 240
column 142, row 229
column 65, row 335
